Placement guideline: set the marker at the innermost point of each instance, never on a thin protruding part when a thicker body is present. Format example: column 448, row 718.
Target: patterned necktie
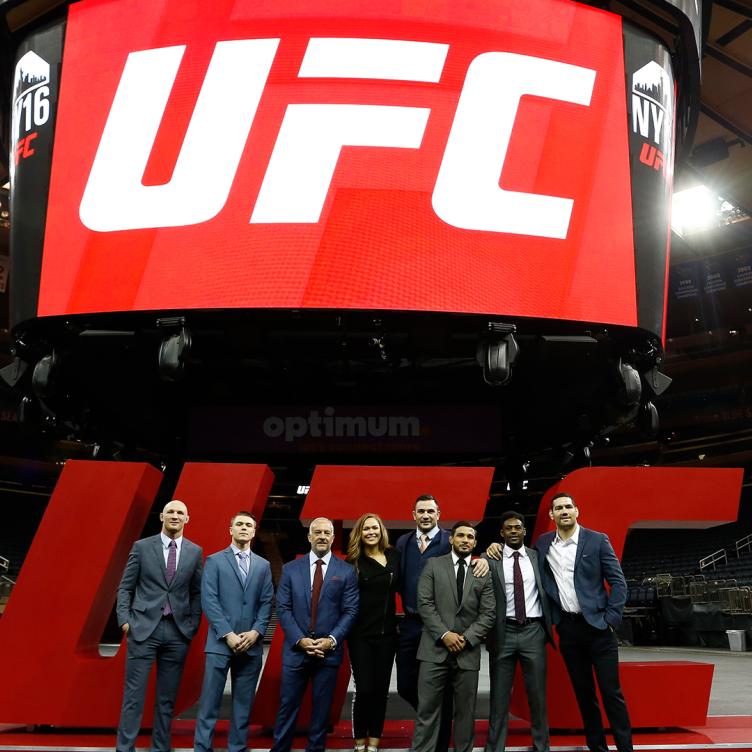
column 318, row 581
column 460, row 579
column 243, row 556
column 172, row 565
column 519, row 590
column 423, row 544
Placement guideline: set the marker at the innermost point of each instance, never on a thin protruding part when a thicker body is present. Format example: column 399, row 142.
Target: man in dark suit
column 317, row 602
column 416, row 548
column 522, row 629
column 457, row 610
column 159, row 609
column 578, row 561
column 237, row 595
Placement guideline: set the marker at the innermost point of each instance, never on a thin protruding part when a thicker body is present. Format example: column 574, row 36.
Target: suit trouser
column 408, row 665
column 585, row 650
column 433, row 681
column 168, row 647
column 295, row 679
column 526, row 644
column 244, row 673
column 371, row 660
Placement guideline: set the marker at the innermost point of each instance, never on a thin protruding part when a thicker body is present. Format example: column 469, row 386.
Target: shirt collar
column 456, row 558
column 237, row 551
column 573, row 540
column 508, row 551
column 431, row 533
column 166, row 541
column 312, row 558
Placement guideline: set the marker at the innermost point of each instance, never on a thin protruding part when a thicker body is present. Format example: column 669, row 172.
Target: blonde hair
column 355, row 545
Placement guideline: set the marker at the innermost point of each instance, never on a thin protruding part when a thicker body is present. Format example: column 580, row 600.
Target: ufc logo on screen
column 310, row 139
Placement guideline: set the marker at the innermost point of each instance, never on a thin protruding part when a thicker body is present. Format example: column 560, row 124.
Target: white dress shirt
column 312, row 559
column 532, row 600
column 166, row 547
column 561, row 557
column 455, row 561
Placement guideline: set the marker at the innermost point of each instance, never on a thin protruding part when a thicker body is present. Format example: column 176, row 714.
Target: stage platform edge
column 719, row 733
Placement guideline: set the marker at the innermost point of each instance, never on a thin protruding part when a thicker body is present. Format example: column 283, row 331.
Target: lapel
column 184, row 553
column 233, row 564
column 467, row 584
column 305, row 576
column 581, row 543
column 158, row 552
column 533, row 556
column 448, row 566
column 328, row 574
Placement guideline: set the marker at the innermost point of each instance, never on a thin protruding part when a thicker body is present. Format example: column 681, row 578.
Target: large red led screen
column 462, row 157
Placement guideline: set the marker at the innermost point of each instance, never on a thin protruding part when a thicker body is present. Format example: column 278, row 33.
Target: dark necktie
column 318, row 581
column 460, row 579
column 519, row 590
column 172, row 565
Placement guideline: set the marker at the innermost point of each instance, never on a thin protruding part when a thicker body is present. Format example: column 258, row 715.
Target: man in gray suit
column 457, row 611
column 237, row 595
column 159, row 609
column 523, row 626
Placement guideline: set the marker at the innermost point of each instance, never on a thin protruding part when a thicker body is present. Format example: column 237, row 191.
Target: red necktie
column 519, row 590
column 318, row 581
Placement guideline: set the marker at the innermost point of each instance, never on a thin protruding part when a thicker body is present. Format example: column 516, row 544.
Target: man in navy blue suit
column 416, row 548
column 236, row 595
column 577, row 562
column 317, row 602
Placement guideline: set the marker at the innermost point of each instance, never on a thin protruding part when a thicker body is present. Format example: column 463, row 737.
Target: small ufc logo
column 310, row 139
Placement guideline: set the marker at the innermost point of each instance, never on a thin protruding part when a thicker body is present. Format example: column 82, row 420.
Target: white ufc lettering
column 467, row 192
column 311, row 136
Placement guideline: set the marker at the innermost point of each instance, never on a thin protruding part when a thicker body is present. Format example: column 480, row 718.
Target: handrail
column 712, row 559
column 4, row 564
column 742, row 543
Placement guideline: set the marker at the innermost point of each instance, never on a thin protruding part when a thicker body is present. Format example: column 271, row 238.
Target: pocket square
column 336, row 578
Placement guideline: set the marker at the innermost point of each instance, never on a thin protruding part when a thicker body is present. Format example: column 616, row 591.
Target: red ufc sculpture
column 50, row 631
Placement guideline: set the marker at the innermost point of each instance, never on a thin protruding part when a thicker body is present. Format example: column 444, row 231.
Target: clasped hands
column 453, row 642
column 317, row 648
column 239, row 643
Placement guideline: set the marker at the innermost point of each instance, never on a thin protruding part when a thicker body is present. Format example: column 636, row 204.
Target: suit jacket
column 143, row 588
column 231, row 606
column 337, row 609
column 595, row 562
column 495, row 638
column 409, row 576
column 440, row 612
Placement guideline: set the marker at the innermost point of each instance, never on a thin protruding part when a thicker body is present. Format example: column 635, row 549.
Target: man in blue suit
column 578, row 561
column 236, row 595
column 317, row 602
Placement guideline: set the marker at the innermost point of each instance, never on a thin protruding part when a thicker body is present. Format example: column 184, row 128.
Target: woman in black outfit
column 372, row 641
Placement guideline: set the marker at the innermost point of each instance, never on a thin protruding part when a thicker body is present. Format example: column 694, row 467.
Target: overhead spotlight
column 647, row 420
column 44, row 374
column 173, row 353
column 498, row 353
column 629, row 387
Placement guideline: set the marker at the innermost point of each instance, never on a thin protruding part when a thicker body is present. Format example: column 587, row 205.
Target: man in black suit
column 159, row 610
column 522, row 629
column 416, row 548
column 578, row 561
